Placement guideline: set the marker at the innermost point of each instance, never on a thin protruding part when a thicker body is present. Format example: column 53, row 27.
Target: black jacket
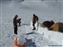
column 15, row 21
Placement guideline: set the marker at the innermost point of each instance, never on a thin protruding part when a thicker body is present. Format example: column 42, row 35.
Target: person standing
column 15, row 24
column 34, row 20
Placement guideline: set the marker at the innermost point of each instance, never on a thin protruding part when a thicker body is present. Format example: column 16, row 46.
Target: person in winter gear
column 15, row 24
column 53, row 26
column 17, row 44
column 34, row 20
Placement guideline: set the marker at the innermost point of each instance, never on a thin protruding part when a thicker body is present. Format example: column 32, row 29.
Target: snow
column 38, row 38
column 51, row 35
column 42, row 37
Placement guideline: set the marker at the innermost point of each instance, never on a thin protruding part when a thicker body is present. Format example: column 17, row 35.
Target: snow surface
column 38, row 38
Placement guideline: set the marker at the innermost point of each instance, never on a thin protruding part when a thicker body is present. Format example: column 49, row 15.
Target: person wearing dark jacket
column 34, row 20
column 15, row 24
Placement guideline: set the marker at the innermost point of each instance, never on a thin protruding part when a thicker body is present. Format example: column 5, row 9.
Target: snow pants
column 15, row 30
